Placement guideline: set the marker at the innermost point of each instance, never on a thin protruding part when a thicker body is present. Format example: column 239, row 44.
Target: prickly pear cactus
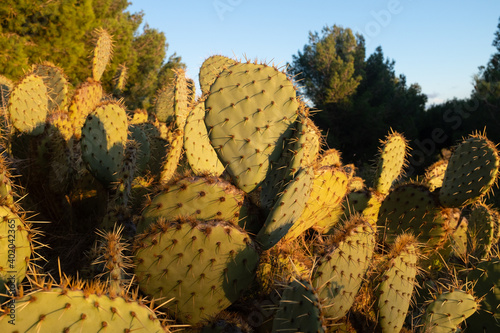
column 397, row 282
column 471, row 172
column 16, row 250
column 5, row 88
column 339, row 273
column 73, row 309
column 29, row 104
column 201, row 198
column 102, row 53
column 299, row 309
column 330, row 157
column 85, row 99
column 203, row 265
column 120, row 79
column 483, row 228
column 210, row 70
column 287, row 209
column 249, row 109
column 448, row 310
column 434, row 174
column 57, row 84
column 392, row 159
column 200, row 153
column 485, row 278
column 411, row 208
column 104, row 137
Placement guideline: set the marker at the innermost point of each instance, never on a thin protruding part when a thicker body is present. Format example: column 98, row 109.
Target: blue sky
column 437, row 44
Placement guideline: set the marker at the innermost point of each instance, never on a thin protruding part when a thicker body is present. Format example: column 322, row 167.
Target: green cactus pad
column 164, row 105
column 202, row 198
column 203, row 265
column 16, row 249
column 103, row 51
column 104, row 137
column 28, row 105
column 210, row 70
column 471, row 172
column 137, row 134
column 57, row 84
column 85, row 99
column 158, row 148
column 330, row 157
column 434, row 174
column 200, row 154
column 364, row 202
column 328, row 189
column 460, row 226
column 396, row 283
column 486, row 279
column 287, row 209
column 392, row 159
column 299, row 309
column 173, row 157
column 120, row 79
column 74, row 310
column 412, row 208
column 224, row 322
column 5, row 88
column 339, row 274
column 448, row 311
column 249, row 109
column 306, row 144
column 483, row 227
column 181, row 98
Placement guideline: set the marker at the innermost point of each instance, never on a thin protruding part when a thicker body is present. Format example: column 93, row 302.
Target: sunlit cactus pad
column 471, row 172
column 75, row 310
column 202, row 198
column 203, row 265
column 249, row 109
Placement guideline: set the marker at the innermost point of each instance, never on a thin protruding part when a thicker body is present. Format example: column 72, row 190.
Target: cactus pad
column 204, row 266
column 448, row 310
column 249, row 109
column 340, row 272
column 210, row 70
column 299, row 309
column 471, row 172
column 28, row 105
column 200, row 154
column 104, row 137
column 287, row 209
column 74, row 310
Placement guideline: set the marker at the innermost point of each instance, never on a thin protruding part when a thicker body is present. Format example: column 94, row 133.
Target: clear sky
column 438, row 44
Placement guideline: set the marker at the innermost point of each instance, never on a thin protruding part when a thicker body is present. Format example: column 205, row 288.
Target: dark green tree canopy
column 61, row 31
column 330, row 65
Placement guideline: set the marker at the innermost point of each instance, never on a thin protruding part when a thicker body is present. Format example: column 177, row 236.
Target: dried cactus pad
column 471, row 172
column 70, row 310
column 249, row 109
column 203, row 265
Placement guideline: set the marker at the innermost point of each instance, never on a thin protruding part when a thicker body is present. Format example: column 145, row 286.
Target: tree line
column 360, row 99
